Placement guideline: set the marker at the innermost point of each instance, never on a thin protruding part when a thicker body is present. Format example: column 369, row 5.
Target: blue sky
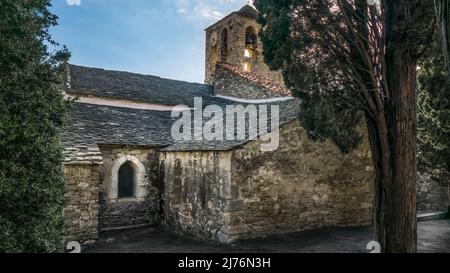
column 157, row 37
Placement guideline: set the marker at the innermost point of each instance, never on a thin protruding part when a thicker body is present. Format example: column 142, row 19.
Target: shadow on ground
column 434, row 237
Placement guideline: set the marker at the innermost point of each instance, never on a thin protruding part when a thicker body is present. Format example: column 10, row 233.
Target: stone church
column 124, row 170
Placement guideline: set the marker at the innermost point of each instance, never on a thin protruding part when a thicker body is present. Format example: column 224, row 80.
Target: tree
column 442, row 10
column 32, row 114
column 434, row 112
column 344, row 57
column 434, row 98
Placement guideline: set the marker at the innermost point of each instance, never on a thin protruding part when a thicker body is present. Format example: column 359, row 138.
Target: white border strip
column 124, row 103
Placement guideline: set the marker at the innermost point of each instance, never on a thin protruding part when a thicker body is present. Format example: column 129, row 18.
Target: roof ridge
column 246, row 11
column 131, row 73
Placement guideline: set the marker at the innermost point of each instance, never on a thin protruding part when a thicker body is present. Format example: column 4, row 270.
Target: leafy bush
column 32, row 114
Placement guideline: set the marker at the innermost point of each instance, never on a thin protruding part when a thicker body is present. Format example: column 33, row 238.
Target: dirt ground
column 434, row 237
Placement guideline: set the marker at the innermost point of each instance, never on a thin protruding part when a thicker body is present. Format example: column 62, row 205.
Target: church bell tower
column 234, row 40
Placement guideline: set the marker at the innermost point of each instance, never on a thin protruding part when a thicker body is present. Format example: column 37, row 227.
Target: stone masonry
column 205, row 182
column 304, row 184
column 227, row 84
column 433, row 193
column 220, row 190
column 229, row 35
column 240, row 194
column 81, row 211
column 136, row 211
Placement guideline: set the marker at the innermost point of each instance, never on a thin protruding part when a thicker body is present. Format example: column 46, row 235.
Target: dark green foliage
column 434, row 112
column 324, row 115
column 321, row 123
column 344, row 57
column 330, row 111
column 32, row 114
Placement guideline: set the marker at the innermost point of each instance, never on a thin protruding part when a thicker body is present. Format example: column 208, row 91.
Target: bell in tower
column 249, row 39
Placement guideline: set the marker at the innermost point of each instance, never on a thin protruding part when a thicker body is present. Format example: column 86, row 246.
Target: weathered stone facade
column 138, row 210
column 433, row 194
column 304, row 184
column 226, row 43
column 215, row 190
column 227, row 84
column 81, row 212
column 92, row 199
column 245, row 193
column 203, row 192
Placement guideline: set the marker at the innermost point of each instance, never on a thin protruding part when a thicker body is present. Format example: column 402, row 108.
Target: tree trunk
column 380, row 196
column 393, row 140
column 393, row 144
column 442, row 9
column 401, row 219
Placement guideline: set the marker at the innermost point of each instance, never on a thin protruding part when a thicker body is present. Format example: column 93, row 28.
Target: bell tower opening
column 224, row 46
column 251, row 45
column 251, row 39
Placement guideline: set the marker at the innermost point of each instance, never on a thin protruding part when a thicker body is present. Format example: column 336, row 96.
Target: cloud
column 202, row 9
column 73, row 2
column 207, row 12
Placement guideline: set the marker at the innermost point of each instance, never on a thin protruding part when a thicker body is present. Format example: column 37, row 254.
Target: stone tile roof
column 257, row 79
column 288, row 112
column 78, row 152
column 132, row 86
column 92, row 125
column 248, row 11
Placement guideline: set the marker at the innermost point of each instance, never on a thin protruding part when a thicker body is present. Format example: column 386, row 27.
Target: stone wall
column 227, row 84
column 81, row 212
column 142, row 208
column 235, row 25
column 433, row 193
column 302, row 185
column 227, row 196
column 205, row 197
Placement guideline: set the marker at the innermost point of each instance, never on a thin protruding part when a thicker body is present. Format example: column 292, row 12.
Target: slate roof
column 248, row 11
column 132, row 86
column 92, row 125
column 288, row 112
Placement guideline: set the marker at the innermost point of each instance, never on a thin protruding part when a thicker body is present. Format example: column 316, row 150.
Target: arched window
column 177, row 182
column 126, row 181
column 251, row 43
column 212, row 56
column 251, row 39
column 213, row 59
column 224, row 46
